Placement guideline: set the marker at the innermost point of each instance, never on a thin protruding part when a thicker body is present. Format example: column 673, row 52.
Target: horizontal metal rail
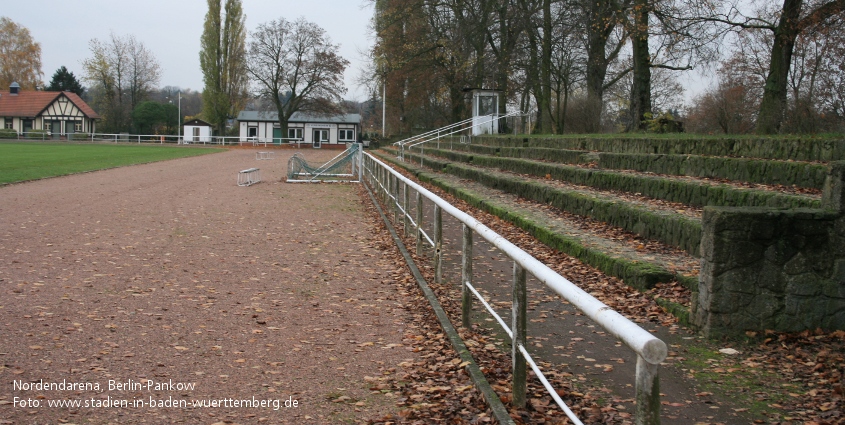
column 431, row 132
column 454, row 129
column 528, row 358
column 396, row 201
column 490, row 310
column 511, row 114
column 549, row 386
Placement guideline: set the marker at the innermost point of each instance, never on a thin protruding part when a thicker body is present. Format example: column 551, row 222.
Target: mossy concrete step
column 638, row 267
column 797, row 149
column 762, row 171
column 662, row 224
column 672, row 189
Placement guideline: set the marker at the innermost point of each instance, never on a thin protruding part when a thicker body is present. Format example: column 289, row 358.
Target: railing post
column 647, row 393
column 438, row 244
column 419, row 226
column 383, row 184
column 405, row 202
column 388, row 190
column 518, row 325
column 396, row 205
column 466, row 277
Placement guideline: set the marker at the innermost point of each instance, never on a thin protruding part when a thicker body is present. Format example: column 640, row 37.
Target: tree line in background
column 586, row 66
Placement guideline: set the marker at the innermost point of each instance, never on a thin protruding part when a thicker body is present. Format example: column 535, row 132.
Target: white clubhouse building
column 316, row 130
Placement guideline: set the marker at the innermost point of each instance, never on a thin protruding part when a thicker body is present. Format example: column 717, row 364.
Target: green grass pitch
column 32, row 161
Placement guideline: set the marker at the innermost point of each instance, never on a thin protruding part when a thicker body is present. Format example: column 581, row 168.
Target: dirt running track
column 161, row 276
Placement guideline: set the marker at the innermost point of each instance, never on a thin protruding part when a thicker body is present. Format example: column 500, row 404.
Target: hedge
column 809, row 149
column 670, row 228
column 685, row 192
column 638, row 274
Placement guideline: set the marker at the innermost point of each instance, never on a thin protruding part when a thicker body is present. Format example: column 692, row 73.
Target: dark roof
column 30, row 104
column 198, row 122
column 273, row 116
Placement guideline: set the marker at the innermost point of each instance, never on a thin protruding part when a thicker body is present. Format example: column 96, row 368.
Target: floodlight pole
column 179, row 121
column 383, row 107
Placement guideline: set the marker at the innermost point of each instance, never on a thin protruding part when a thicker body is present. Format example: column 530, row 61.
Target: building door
column 320, row 136
column 56, row 129
column 70, row 128
column 277, row 136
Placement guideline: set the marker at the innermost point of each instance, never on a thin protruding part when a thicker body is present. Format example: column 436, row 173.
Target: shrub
column 36, row 135
column 662, row 123
column 80, row 136
column 8, row 133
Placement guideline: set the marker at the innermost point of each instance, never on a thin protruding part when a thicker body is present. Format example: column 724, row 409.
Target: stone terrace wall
column 774, row 269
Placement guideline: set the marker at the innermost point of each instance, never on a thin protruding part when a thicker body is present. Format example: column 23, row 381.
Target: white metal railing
column 163, row 138
column 650, row 350
column 436, row 135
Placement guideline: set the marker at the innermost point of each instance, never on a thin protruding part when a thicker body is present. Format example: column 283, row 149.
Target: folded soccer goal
column 344, row 168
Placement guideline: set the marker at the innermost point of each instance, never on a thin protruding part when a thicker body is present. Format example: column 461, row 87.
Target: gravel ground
column 164, row 276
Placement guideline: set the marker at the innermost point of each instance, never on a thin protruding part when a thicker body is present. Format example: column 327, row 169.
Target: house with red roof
column 60, row 113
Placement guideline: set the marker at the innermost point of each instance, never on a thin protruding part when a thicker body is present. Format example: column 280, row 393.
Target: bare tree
column 295, row 67
column 123, row 73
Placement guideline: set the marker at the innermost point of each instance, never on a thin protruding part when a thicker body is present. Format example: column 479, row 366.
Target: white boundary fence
column 651, row 351
column 160, row 139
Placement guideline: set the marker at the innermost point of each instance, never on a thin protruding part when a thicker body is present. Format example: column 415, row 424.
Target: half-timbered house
column 59, row 113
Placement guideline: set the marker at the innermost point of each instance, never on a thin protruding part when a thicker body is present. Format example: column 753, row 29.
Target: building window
column 252, row 132
column 295, row 133
column 8, row 121
column 77, row 126
column 346, row 135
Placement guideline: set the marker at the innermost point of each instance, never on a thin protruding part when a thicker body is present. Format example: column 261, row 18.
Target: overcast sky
column 172, row 29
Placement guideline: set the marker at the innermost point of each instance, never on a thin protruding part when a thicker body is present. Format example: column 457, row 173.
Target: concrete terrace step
column 759, row 171
column 649, row 219
column 638, row 262
column 791, row 149
column 684, row 190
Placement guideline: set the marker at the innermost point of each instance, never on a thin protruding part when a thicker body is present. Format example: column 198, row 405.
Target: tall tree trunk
column 544, row 99
column 601, row 23
column 503, row 61
column 456, row 97
column 773, row 104
column 641, row 85
column 533, row 79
